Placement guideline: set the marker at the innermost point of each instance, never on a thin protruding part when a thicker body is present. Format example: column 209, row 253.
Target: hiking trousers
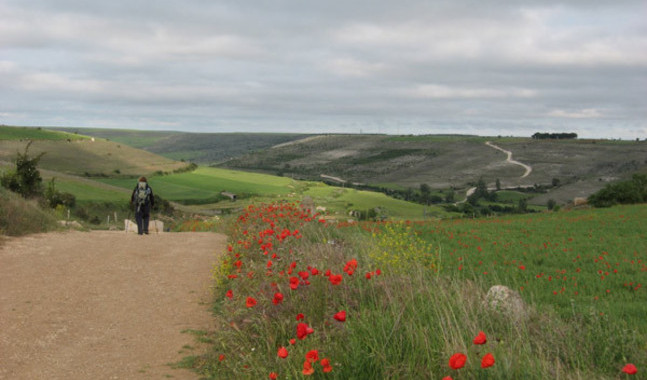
column 142, row 219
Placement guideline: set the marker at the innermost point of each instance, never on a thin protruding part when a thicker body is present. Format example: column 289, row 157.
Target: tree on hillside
column 624, row 192
column 25, row 179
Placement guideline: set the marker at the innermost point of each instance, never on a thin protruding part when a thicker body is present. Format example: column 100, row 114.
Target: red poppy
column 300, row 317
column 312, row 355
column 325, row 363
column 629, row 369
column 282, row 353
column 447, row 378
column 487, row 361
column 273, row 375
column 229, row 293
column 457, row 360
column 278, row 298
column 307, row 368
column 302, row 330
column 480, row 338
column 340, row 316
column 335, row 279
column 293, row 341
column 221, row 357
column 250, row 302
column 294, row 283
column 368, row 275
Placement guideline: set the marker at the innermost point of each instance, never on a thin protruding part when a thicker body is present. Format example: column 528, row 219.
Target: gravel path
column 103, row 304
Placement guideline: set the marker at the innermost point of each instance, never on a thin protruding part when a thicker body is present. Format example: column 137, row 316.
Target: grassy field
column 203, row 185
column 73, row 154
column 36, row 133
column 296, row 296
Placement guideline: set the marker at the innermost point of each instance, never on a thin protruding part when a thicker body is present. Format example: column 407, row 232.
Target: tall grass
column 405, row 317
column 21, row 217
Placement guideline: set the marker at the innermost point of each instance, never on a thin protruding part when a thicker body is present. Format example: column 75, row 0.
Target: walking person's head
column 142, row 179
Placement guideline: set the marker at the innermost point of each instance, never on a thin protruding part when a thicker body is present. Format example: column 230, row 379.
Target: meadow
column 297, row 295
column 202, row 187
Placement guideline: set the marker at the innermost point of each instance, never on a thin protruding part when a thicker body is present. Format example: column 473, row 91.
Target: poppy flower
column 312, row 355
column 335, row 279
column 630, row 369
column 325, row 363
column 487, row 361
column 447, row 378
column 250, row 302
column 307, row 368
column 340, row 316
column 282, row 353
column 368, row 275
column 302, row 331
column 229, row 294
column 300, row 316
column 457, row 360
column 293, row 341
column 278, row 298
column 221, row 357
column 273, row 375
column 480, row 338
column 294, row 283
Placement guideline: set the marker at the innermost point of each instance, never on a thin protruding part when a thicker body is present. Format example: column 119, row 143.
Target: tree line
column 555, row 136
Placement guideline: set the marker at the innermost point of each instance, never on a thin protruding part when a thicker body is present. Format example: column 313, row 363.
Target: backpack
column 142, row 195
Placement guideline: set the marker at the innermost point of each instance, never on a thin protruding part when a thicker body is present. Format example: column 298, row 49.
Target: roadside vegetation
column 296, row 295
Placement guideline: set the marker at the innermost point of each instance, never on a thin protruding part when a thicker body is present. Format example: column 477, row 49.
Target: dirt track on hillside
column 103, row 304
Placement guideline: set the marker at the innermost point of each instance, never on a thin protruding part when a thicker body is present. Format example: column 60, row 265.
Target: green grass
column 205, row 183
column 427, row 303
column 21, row 217
column 35, row 133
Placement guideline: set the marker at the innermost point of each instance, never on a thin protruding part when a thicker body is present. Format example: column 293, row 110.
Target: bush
column 21, row 217
column 625, row 192
column 25, row 179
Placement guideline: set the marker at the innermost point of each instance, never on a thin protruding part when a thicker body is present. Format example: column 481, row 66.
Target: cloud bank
column 505, row 68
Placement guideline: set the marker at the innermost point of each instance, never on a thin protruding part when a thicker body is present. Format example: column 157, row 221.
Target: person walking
column 143, row 201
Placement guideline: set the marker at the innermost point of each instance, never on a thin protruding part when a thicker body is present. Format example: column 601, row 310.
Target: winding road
column 509, row 159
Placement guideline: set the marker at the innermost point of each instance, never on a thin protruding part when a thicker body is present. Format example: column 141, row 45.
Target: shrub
column 624, row 192
column 21, row 217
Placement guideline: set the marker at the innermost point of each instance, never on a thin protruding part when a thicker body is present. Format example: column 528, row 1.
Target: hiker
column 143, row 200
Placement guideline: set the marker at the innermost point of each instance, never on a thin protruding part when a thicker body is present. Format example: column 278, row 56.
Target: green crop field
column 204, row 184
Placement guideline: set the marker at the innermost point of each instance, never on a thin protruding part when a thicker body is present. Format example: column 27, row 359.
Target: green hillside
column 81, row 155
column 201, row 148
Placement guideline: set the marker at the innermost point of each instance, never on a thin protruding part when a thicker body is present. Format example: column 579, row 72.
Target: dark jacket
column 150, row 201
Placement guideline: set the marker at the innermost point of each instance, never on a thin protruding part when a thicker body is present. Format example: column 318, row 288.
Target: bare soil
column 103, row 304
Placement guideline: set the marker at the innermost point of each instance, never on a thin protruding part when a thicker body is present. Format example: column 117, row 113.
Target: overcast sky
column 409, row 66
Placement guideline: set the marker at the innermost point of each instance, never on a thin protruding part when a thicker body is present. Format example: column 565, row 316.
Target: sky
column 509, row 68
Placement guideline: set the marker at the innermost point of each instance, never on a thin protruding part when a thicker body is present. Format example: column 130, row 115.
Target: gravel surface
column 103, row 304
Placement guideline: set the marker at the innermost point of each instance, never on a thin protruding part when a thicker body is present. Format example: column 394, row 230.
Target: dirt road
column 103, row 304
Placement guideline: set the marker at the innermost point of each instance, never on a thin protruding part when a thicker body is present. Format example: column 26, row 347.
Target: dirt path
column 103, row 304
column 510, row 160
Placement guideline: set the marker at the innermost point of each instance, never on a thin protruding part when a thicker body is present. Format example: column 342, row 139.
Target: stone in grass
column 506, row 301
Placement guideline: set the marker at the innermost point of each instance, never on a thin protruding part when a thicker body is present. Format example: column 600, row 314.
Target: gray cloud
column 377, row 66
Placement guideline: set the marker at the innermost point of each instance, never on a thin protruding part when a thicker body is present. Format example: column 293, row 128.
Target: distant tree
column 551, row 204
column 555, row 182
column 498, row 184
column 449, row 197
column 522, row 205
